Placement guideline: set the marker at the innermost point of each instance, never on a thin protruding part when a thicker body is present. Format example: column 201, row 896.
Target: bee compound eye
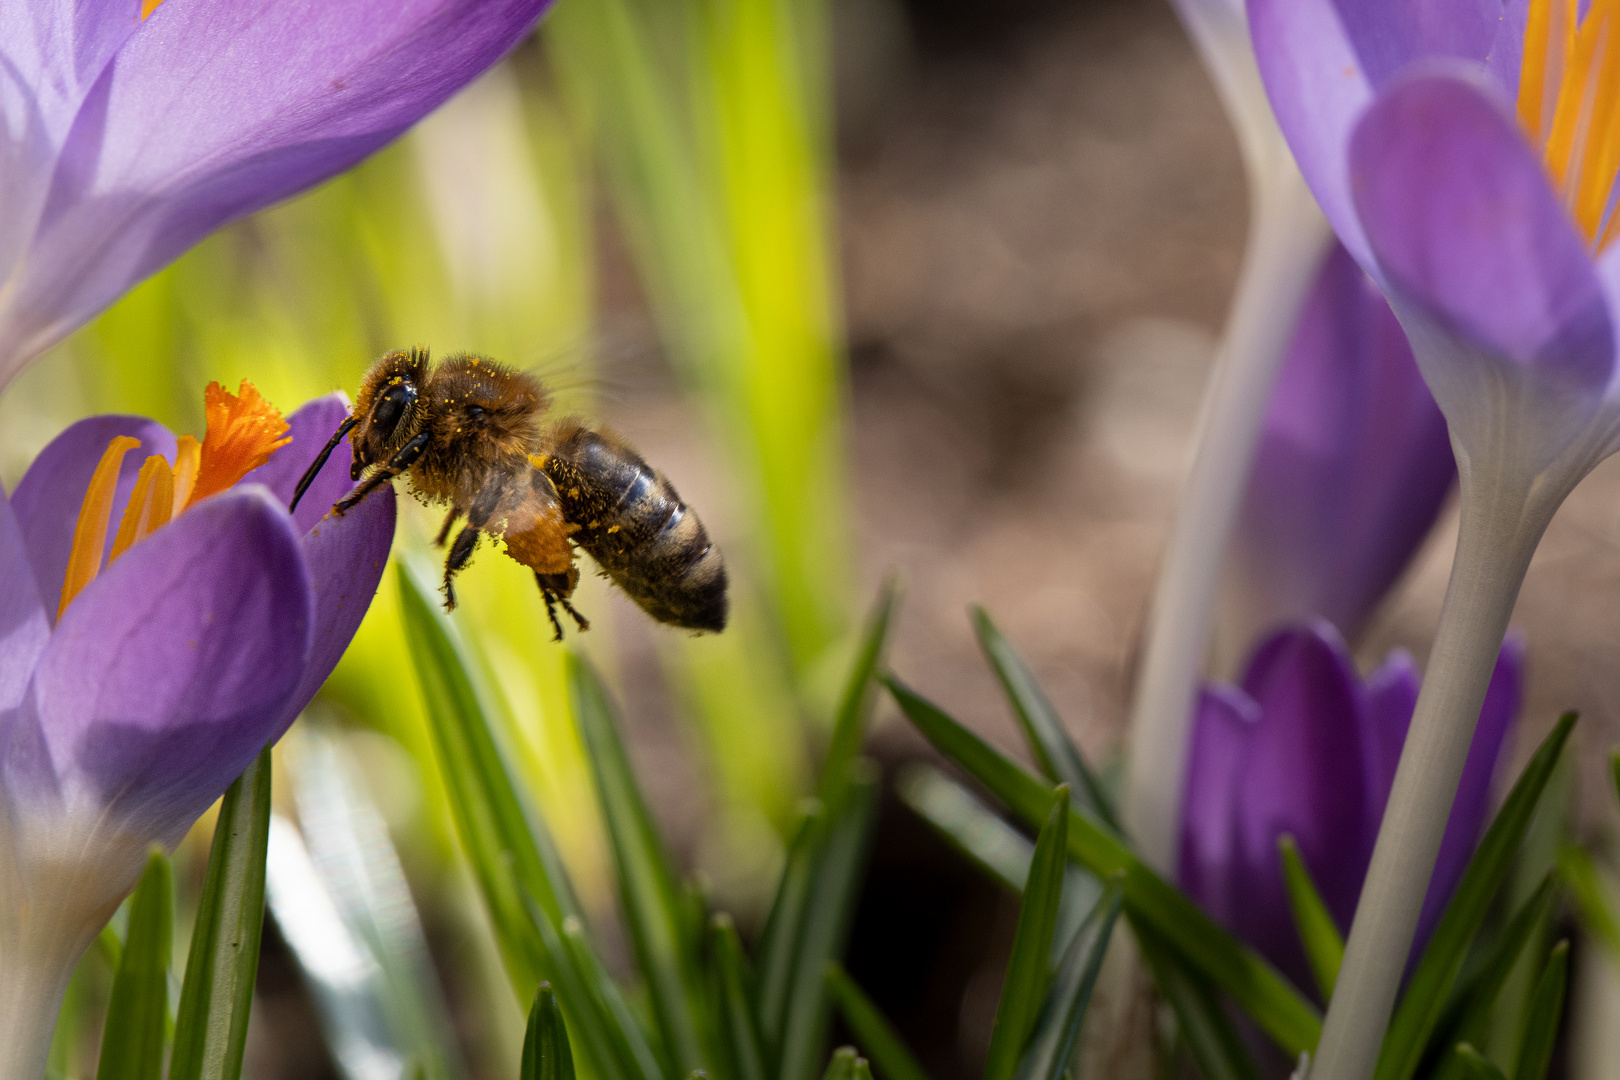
column 391, row 406
column 476, row 412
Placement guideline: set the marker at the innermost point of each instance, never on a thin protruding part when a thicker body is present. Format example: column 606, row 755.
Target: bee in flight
column 469, row 432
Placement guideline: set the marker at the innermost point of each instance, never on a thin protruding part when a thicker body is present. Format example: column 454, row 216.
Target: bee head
column 387, row 408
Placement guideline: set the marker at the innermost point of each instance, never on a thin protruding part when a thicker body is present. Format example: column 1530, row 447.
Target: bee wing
column 529, row 518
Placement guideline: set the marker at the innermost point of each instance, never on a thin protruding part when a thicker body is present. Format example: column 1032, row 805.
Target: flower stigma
column 243, row 431
column 1569, row 107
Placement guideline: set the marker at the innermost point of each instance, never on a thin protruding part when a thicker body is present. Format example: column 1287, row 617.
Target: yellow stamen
column 150, row 505
column 1569, row 104
column 243, row 431
column 187, row 456
column 147, row 7
column 90, row 534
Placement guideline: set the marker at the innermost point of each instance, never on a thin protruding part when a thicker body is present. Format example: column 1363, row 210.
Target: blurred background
column 916, row 286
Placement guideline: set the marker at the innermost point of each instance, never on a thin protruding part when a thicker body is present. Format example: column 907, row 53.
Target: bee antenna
column 320, row 461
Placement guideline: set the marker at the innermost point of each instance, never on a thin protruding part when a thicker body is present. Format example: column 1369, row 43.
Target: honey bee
column 468, row 432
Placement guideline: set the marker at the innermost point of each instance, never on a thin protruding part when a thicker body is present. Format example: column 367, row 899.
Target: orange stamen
column 150, row 505
column 147, row 7
column 243, row 431
column 90, row 534
column 187, row 456
column 1569, row 104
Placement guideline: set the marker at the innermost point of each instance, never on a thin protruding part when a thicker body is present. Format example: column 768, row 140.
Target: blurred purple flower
column 129, row 130
column 123, row 719
column 1353, row 466
column 1307, row 747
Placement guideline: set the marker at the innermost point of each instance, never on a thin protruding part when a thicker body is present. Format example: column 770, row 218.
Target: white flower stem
column 31, row 991
column 1501, row 524
column 1288, row 238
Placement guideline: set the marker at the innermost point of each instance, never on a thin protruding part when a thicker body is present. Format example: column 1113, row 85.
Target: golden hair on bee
column 468, row 432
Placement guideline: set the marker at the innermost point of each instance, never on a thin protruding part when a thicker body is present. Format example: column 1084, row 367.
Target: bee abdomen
column 634, row 524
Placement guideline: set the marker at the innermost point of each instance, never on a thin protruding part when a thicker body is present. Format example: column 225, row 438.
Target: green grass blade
column 1048, row 739
column 210, row 1031
column 138, row 1011
column 1426, row 994
column 1206, row 1029
column 1477, row 1066
column 855, row 707
column 883, row 1045
column 1324, row 946
column 1546, row 1010
column 1469, row 1016
column 841, row 1066
column 1251, row 982
column 825, row 925
column 739, row 1025
column 1051, row 1050
column 546, row 1054
column 654, row 903
column 1024, row 989
column 778, row 944
column 630, row 1042
column 863, row 1069
column 1592, row 897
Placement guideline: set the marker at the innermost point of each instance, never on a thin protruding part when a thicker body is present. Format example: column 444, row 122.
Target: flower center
column 1569, row 106
column 243, row 431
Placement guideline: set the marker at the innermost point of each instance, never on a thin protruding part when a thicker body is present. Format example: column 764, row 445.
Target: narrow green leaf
column 1476, row 1065
column 109, row 947
column 1426, row 994
column 778, row 945
column 1051, row 1050
column 138, row 1011
column 210, row 1030
column 1216, row 1048
column 1592, row 897
column 1324, row 947
column 871, row 1028
column 525, row 888
column 546, row 1054
column 1252, row 983
column 626, row 1039
column 739, row 1025
column 825, row 925
column 1024, row 989
column 863, row 1069
column 1048, row 739
column 855, row 707
column 842, row 1064
column 1468, row 1017
column 1546, row 1010
column 654, row 903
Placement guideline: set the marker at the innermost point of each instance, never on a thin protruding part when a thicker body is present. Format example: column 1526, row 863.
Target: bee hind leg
column 555, row 589
column 460, row 555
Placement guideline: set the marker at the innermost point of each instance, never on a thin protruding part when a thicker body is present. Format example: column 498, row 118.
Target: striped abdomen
column 635, row 526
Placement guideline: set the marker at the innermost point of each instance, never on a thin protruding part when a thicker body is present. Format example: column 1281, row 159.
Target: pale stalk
column 1501, row 522
column 1288, row 239
column 30, row 997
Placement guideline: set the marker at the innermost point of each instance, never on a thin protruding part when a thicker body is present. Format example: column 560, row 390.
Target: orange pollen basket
column 243, row 431
column 1569, row 106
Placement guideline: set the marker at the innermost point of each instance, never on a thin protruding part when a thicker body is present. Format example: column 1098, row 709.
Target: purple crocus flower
column 1353, row 467
column 127, row 711
column 1305, row 746
column 129, row 129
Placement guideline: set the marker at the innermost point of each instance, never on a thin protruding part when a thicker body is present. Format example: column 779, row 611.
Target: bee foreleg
column 403, row 459
column 460, row 555
column 449, row 523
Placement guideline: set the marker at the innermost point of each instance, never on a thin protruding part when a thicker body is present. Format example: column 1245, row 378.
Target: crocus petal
column 1461, row 217
column 172, row 669
column 47, row 498
column 24, row 625
column 1208, row 868
column 346, row 557
column 1469, row 811
column 1353, row 467
column 1303, row 776
column 310, row 427
column 214, row 109
column 1392, row 693
column 1387, row 35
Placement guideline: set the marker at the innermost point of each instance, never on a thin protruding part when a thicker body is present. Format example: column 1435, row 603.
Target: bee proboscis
column 470, row 432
